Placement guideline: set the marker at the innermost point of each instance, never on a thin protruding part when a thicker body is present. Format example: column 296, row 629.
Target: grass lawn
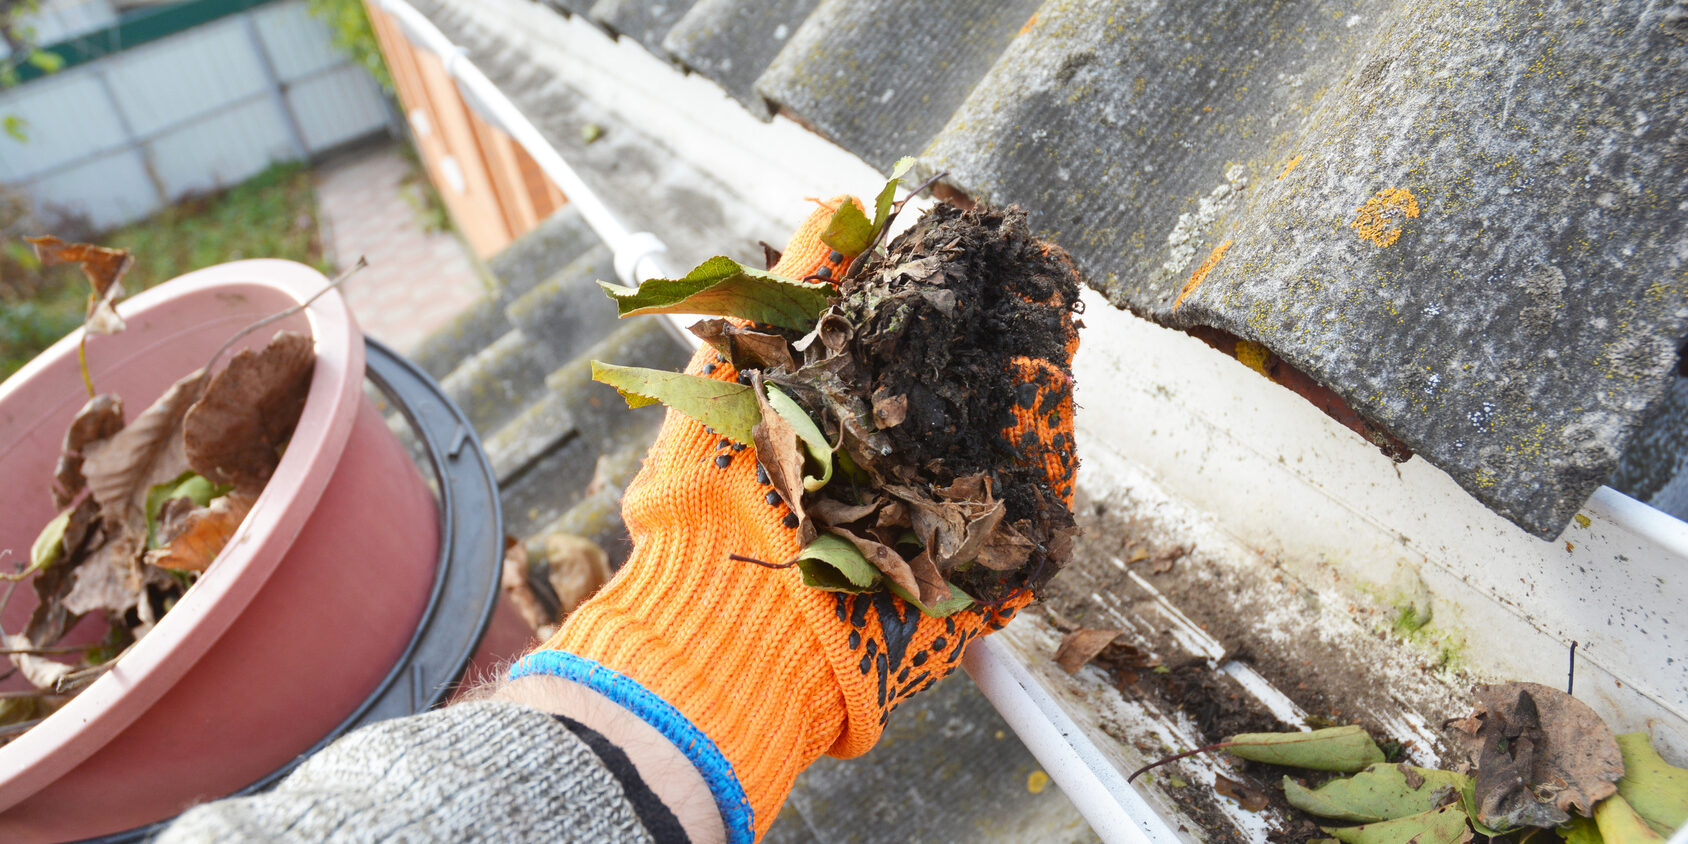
column 273, row 215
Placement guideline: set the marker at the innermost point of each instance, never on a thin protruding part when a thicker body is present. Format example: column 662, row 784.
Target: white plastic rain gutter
column 637, row 254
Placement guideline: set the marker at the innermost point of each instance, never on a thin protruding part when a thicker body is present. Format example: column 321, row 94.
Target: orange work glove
column 748, row 671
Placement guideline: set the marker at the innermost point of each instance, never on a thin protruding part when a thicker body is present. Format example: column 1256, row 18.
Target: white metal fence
column 119, row 137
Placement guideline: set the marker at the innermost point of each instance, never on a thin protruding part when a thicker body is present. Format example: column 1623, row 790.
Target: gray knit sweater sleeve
column 486, row 771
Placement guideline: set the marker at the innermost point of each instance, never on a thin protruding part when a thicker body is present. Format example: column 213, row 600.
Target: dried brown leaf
column 100, row 418
column 104, row 269
column 49, row 620
column 40, row 671
column 889, row 411
column 831, row 511
column 780, row 452
column 576, row 568
column 192, row 536
column 887, row 560
column 1251, row 799
column 148, row 452
column 1468, row 725
column 941, row 300
column 892, row 515
column 1543, row 753
column 933, row 586
column 1060, row 544
column 746, row 348
column 83, row 523
column 1006, row 548
column 835, row 331
column 970, row 498
column 1163, row 563
column 517, row 588
column 827, row 386
column 1081, row 646
column 234, row 433
column 109, row 579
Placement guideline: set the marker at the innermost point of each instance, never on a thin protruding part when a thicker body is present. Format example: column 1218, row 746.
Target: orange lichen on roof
column 1254, row 356
column 1030, row 22
column 1200, row 275
column 1379, row 220
column 1290, row 166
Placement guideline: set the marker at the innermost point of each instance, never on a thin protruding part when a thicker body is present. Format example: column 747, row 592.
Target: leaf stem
column 82, row 358
column 283, row 314
column 739, row 558
column 19, row 728
column 884, row 231
column 1159, row 762
column 46, row 651
column 22, row 694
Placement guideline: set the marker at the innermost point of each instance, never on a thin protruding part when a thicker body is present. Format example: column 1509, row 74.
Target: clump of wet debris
column 913, row 417
column 920, row 363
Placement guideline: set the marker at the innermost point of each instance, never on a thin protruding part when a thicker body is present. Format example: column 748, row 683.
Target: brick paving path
column 416, row 280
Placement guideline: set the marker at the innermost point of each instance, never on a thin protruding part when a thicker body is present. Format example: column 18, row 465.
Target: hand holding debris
column 938, row 387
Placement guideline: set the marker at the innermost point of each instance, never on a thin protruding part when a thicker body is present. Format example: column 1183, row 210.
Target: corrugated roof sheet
column 1466, row 220
column 733, row 42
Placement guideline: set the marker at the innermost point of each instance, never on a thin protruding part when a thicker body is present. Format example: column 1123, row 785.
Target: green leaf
column 836, row 565
column 1468, row 802
column 15, row 126
column 1379, row 793
column 1620, row 824
column 850, row 231
column 721, row 286
column 48, row 547
column 188, row 485
column 1580, row 830
column 888, row 194
column 956, row 602
column 833, row 563
column 728, row 408
column 46, row 62
column 1347, row 749
column 1438, row 826
column 1656, row 789
column 807, row 431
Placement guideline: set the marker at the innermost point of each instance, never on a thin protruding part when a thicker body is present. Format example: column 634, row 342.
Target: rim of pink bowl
column 92, row 718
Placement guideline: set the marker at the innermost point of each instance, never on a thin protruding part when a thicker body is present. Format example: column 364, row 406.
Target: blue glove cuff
column 682, row 733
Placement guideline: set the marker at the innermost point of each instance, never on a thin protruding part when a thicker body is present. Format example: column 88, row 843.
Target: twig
column 739, row 558
column 1156, row 764
column 47, row 651
column 7, row 598
column 923, row 186
column 284, row 314
column 205, row 373
column 1571, row 674
column 19, row 728
column 29, row 693
column 884, row 231
column 75, row 680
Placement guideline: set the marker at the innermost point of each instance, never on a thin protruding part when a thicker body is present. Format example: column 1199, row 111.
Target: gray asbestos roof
column 1465, row 219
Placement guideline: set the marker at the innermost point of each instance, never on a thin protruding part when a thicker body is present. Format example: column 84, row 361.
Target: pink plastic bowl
column 308, row 607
